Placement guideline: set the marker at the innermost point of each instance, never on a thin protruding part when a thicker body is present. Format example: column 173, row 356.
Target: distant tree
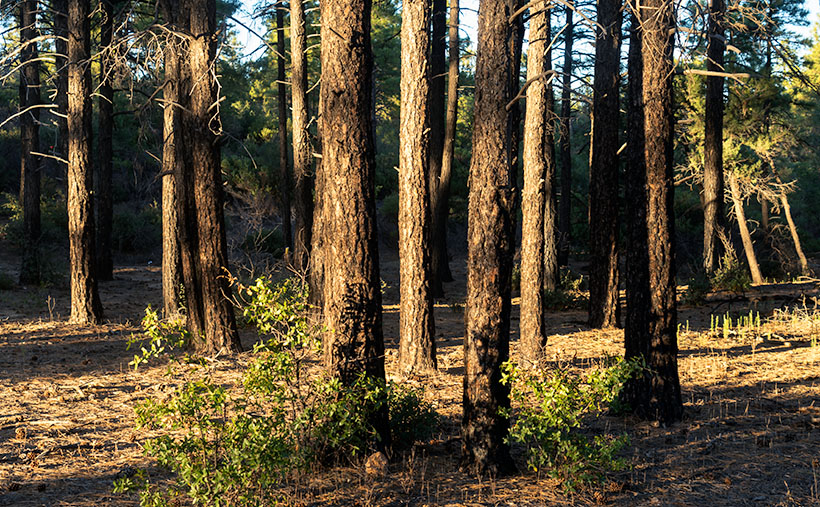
column 417, row 346
column 30, row 142
column 302, row 156
column 490, row 244
column 565, row 209
column 353, row 343
column 103, row 199
column 604, row 305
column 282, row 101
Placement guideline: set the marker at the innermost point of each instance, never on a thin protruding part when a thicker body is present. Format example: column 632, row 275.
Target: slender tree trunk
column 353, row 343
column 490, row 244
column 745, row 236
column 316, row 275
column 564, row 143
column 417, row 346
column 171, row 261
column 537, row 134
column 30, row 143
column 85, row 300
column 438, row 241
column 516, row 42
column 804, row 263
column 714, row 215
column 105, row 131
column 660, row 396
column 282, row 96
column 203, row 177
column 604, row 306
column 60, row 8
column 300, row 117
column 551, row 239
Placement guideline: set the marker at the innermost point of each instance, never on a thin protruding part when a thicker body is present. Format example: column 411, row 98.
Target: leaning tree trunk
column 537, row 133
column 300, row 118
column 85, row 300
column 804, row 263
column 203, row 177
column 282, row 96
column 171, row 262
column 564, row 143
column 60, row 13
column 490, row 250
column 657, row 394
column 105, row 139
column 30, row 143
column 604, row 307
column 743, row 227
column 715, row 230
column 417, row 346
column 353, row 343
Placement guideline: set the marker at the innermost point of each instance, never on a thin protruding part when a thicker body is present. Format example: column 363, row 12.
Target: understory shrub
column 569, row 294
column 731, row 275
column 550, row 407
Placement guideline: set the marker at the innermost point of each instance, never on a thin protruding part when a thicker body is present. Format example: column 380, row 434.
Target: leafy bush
column 163, row 336
column 135, row 231
column 53, row 219
column 731, row 275
column 551, row 406
column 569, row 294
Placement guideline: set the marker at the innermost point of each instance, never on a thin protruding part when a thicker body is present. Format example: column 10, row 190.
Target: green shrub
column 53, row 219
column 569, row 294
column 163, row 336
column 697, row 289
column 731, row 275
column 136, row 231
column 551, row 407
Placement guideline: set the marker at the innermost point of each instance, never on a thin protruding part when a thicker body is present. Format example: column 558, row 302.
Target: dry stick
column 522, row 92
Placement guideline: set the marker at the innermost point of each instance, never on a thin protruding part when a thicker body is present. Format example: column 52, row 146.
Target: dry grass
column 749, row 436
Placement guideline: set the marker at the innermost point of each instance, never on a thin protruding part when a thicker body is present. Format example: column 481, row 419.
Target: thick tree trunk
column 30, row 143
column 417, row 346
column 438, row 240
column 316, row 275
column 300, row 117
column 714, row 215
column 105, row 139
column 353, row 343
column 490, row 244
column 282, row 97
column 85, row 300
column 203, row 179
column 804, row 263
column 564, row 143
column 171, row 261
column 743, row 227
column 604, row 306
column 658, row 396
column 60, row 8
column 537, row 133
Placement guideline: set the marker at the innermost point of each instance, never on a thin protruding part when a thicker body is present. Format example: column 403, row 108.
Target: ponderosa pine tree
column 353, row 342
column 282, row 100
column 300, row 118
column 604, row 305
column 30, row 142
column 565, row 146
column 85, row 300
column 59, row 10
column 490, row 250
column 103, row 198
column 417, row 346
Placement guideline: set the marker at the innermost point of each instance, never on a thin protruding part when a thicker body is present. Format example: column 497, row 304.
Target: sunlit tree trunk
column 300, row 117
column 798, row 248
column 103, row 198
column 743, row 227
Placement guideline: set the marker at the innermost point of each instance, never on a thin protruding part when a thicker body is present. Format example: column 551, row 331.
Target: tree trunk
column 438, row 241
column 537, row 133
column 604, row 305
column 85, row 300
column 353, row 343
column 745, row 236
column 60, row 8
column 551, row 239
column 171, row 262
column 659, row 397
column 203, row 178
column 714, row 215
column 804, row 263
column 564, row 143
column 103, row 198
column 30, row 143
column 417, row 346
column 516, row 42
column 490, row 250
column 300, row 118
column 282, row 96
column 316, row 275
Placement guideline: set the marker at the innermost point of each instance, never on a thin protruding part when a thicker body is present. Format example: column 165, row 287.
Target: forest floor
column 749, row 435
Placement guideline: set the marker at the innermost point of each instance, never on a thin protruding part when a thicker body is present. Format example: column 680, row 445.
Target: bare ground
column 749, row 437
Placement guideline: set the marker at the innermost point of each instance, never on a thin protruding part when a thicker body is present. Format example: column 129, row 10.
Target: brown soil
column 749, row 437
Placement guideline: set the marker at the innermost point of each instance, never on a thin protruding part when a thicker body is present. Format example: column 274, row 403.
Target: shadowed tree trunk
column 353, row 343
column 438, row 239
column 200, row 193
column 60, row 8
column 564, row 144
column 743, row 227
column 105, row 131
column 715, row 230
column 604, row 307
column 171, row 262
column 316, row 280
column 30, row 143
column 516, row 42
column 282, row 97
column 300, row 117
column 652, row 331
column 417, row 347
column 490, row 250
column 85, row 300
